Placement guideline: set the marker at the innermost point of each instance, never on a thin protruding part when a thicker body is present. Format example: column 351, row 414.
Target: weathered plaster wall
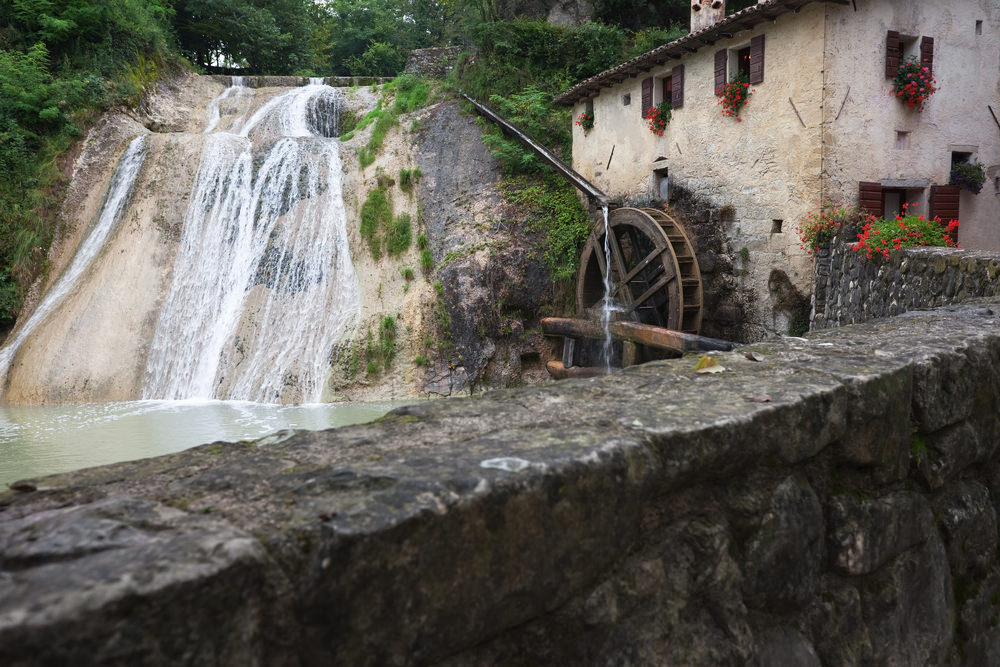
column 832, row 499
column 861, row 143
column 850, row 288
column 766, row 167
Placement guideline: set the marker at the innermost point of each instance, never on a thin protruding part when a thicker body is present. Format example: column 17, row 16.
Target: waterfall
column 606, row 305
column 263, row 284
column 115, row 200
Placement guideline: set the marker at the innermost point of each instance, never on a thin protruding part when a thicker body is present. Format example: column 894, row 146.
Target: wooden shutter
column 757, row 59
column 870, row 198
column 647, row 95
column 667, row 93
column 927, row 52
column 943, row 202
column 677, row 87
column 893, row 53
column 721, row 58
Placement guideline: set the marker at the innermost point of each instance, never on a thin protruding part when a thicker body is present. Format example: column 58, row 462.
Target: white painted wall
column 861, row 143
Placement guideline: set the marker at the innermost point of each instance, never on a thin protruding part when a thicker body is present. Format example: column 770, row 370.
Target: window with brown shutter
column 647, row 95
column 757, row 59
column 721, row 57
column 870, row 198
column 927, row 52
column 943, row 202
column 666, row 89
column 893, row 53
column 677, row 87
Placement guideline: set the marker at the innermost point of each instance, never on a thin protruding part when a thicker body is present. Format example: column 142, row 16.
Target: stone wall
column 828, row 500
column 434, row 63
column 851, row 288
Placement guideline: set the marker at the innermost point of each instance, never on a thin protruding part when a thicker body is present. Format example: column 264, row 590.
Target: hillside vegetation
column 62, row 62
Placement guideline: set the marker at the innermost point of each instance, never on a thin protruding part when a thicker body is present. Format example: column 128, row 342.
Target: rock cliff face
column 829, row 500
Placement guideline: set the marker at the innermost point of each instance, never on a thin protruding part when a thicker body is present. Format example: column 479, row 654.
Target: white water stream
column 606, row 304
column 110, row 213
column 263, row 282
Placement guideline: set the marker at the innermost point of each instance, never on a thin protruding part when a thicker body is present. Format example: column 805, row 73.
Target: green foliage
column 422, row 360
column 407, row 274
column 968, row 175
column 422, row 242
column 557, row 212
column 408, row 177
column 376, row 216
column 880, row 236
column 411, row 92
column 533, row 112
column 398, row 235
column 650, row 38
column 426, row 259
column 380, row 352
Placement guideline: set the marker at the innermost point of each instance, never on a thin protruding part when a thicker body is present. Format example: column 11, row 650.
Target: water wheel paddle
column 654, row 273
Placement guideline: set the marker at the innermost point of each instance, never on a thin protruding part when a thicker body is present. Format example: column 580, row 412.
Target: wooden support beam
column 643, row 334
column 560, row 372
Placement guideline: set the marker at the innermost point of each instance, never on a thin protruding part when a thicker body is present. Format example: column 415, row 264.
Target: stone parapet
column 822, row 500
column 852, row 288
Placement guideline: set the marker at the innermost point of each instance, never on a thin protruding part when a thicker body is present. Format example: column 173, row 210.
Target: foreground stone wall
column 851, row 288
column 824, row 500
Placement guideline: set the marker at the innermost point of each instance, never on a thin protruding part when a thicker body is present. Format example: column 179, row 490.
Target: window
column 590, row 108
column 899, row 48
column 776, row 226
column 626, row 99
column 745, row 59
column 902, row 141
column 979, row 27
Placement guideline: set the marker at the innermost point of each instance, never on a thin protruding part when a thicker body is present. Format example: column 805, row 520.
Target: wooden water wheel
column 654, row 273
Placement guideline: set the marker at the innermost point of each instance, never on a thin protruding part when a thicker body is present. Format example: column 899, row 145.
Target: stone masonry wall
column 851, row 288
column 827, row 500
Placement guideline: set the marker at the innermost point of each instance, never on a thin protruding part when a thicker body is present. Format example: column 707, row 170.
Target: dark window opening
column 979, row 27
column 666, row 91
column 960, row 157
column 776, row 226
column 626, row 99
column 743, row 61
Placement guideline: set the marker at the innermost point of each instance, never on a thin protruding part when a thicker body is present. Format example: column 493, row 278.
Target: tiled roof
column 742, row 20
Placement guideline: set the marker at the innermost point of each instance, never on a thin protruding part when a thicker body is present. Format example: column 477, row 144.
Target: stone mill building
column 822, row 124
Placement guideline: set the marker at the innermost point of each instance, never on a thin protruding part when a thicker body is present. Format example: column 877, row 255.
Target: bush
column 397, row 235
column 817, row 230
column 408, row 178
column 376, row 215
column 969, row 176
column 880, row 236
column 557, row 212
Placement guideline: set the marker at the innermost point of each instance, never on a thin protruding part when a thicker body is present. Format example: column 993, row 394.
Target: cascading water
column 115, row 200
column 263, row 282
column 606, row 304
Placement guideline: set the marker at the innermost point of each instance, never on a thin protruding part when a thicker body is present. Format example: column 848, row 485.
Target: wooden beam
column 560, row 372
column 644, row 334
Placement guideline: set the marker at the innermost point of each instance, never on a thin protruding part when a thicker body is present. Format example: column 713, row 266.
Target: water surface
column 41, row 440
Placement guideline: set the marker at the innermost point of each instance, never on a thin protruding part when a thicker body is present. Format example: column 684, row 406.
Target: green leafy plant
column 819, row 228
column 376, row 216
column 734, row 95
column 398, row 235
column 554, row 210
column 658, row 117
column 586, row 121
column 408, row 178
column 968, row 175
column 881, row 236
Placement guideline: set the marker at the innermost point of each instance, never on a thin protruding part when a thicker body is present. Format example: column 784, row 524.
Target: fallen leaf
column 708, row 364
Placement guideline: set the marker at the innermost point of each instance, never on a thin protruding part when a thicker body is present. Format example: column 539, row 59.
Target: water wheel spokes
column 654, row 272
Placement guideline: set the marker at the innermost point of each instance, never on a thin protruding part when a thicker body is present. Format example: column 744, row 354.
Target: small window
column 776, row 226
column 743, row 61
column 902, row 141
column 979, row 27
column 626, row 99
column 590, row 108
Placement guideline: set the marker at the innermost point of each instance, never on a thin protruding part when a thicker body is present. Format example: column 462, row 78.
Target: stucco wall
column 861, row 143
column 766, row 167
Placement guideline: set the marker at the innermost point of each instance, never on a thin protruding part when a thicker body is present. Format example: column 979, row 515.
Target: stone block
column 863, row 535
column 968, row 522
